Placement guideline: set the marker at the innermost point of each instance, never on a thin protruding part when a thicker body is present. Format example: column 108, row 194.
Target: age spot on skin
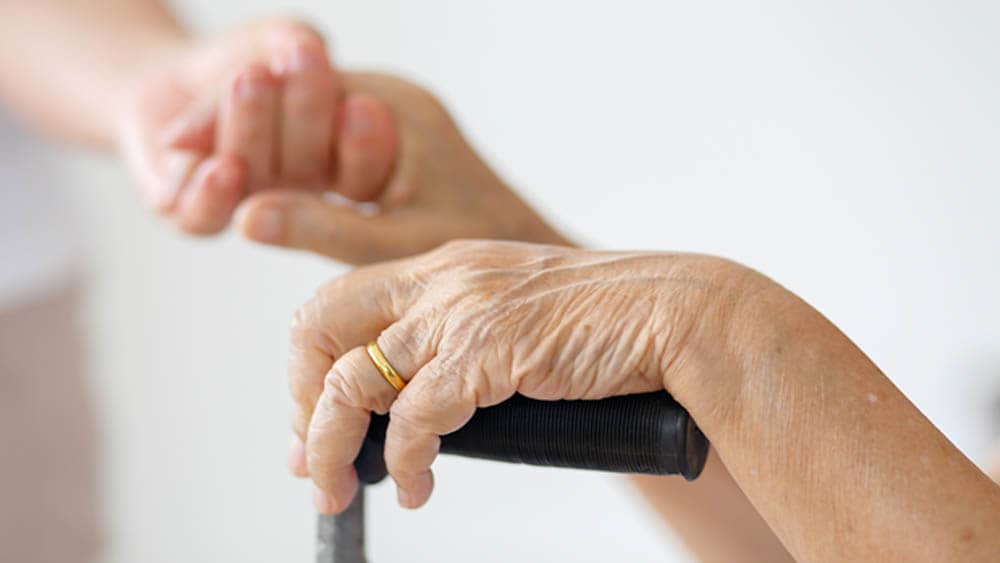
column 967, row 535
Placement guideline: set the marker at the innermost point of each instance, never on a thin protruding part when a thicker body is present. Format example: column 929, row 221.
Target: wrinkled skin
column 795, row 411
column 472, row 323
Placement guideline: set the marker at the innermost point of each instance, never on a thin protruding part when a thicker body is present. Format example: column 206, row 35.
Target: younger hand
column 257, row 108
column 438, row 189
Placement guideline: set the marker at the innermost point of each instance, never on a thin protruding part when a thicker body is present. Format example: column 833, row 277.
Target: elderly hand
column 825, row 447
column 253, row 109
column 470, row 324
column 438, row 190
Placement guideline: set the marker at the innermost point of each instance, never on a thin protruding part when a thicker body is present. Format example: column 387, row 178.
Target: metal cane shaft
column 341, row 538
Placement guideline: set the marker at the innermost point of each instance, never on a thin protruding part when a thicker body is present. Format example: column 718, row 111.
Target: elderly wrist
column 712, row 329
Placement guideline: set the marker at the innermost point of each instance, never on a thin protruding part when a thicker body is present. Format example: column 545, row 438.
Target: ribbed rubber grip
column 647, row 433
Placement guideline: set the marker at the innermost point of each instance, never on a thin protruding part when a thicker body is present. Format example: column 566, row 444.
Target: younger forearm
column 64, row 63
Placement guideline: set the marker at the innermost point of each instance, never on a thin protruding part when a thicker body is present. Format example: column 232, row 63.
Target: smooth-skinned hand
column 257, row 108
column 438, row 190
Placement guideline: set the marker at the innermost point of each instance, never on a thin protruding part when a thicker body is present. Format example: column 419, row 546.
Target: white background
column 847, row 149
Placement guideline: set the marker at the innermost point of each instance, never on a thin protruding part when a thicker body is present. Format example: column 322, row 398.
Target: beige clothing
column 39, row 245
column 48, row 480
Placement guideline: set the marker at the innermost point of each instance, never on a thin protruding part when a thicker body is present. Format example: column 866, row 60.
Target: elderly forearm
column 836, row 459
column 63, row 62
column 712, row 516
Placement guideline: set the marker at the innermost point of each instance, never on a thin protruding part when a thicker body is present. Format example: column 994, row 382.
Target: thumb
column 329, row 226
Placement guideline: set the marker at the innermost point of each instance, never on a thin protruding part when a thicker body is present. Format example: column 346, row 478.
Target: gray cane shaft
column 341, row 538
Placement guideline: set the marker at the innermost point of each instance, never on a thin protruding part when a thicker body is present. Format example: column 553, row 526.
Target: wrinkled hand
column 257, row 108
column 470, row 324
column 439, row 189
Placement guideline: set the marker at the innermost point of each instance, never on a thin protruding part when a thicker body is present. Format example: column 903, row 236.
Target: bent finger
column 207, row 202
column 347, row 313
column 246, row 128
column 438, row 401
column 308, row 109
column 352, row 390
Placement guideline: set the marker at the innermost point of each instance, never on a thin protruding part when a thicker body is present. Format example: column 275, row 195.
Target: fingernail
column 269, row 226
column 249, row 85
column 323, row 502
column 303, row 55
column 358, row 122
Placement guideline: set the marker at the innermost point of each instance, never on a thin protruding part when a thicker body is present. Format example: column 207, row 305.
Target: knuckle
column 250, row 71
column 407, row 338
column 407, row 414
column 341, row 387
column 302, row 323
column 344, row 387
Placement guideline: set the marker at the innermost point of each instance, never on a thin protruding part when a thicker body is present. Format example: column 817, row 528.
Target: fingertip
column 298, row 52
column 323, row 502
column 334, row 497
column 417, row 492
column 262, row 221
column 286, row 37
column 207, row 203
column 344, row 490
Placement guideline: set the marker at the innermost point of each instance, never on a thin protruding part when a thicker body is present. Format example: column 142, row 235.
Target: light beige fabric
column 48, row 481
column 39, row 243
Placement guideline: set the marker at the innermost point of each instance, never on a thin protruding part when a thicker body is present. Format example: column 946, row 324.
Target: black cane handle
column 646, row 433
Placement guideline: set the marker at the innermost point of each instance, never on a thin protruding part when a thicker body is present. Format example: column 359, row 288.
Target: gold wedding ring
column 384, row 367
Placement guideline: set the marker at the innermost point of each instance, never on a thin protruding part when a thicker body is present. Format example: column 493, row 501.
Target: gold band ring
column 384, row 367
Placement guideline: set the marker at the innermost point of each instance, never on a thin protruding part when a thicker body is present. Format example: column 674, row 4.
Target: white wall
column 847, row 149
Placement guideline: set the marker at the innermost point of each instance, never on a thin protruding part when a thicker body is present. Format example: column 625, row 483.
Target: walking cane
column 648, row 433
